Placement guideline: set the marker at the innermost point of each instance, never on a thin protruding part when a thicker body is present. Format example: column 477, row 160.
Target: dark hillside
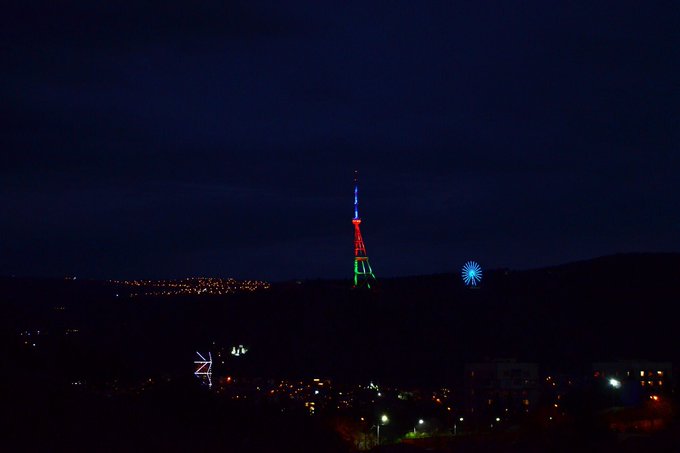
column 563, row 317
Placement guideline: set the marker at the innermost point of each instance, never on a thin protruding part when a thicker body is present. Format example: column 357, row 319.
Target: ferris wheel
column 471, row 273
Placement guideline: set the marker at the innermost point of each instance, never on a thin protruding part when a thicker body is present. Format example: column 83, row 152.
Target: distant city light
column 615, row 383
column 192, row 286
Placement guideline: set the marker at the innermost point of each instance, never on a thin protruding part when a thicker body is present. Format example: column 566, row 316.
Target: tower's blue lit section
column 356, row 201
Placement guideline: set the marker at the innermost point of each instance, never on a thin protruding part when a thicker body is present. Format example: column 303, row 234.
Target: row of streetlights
column 384, row 419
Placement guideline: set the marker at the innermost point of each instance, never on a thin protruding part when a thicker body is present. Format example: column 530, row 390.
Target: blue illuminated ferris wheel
column 471, row 273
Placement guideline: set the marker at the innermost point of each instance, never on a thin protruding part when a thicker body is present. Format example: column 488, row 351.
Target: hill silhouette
column 410, row 330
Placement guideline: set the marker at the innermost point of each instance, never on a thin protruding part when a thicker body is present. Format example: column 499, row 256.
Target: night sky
column 161, row 139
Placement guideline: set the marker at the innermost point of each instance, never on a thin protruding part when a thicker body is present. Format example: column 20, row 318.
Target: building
column 637, row 392
column 645, row 376
column 500, row 389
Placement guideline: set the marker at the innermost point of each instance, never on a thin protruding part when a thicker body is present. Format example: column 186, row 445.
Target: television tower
column 362, row 269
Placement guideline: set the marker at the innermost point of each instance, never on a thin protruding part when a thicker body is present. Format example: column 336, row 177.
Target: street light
column 616, row 385
column 455, row 426
column 383, row 420
column 420, row 422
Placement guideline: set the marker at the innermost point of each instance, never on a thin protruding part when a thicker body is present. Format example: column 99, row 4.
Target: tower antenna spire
column 363, row 274
column 356, row 194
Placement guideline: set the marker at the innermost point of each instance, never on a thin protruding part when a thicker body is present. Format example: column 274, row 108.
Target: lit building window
column 642, row 374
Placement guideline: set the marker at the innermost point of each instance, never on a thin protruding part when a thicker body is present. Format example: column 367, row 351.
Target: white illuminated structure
column 204, row 367
column 239, row 351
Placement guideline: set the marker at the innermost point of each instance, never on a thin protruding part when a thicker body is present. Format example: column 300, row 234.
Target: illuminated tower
column 362, row 269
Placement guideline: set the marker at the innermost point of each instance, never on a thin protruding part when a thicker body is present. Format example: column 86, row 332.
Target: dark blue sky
column 162, row 139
